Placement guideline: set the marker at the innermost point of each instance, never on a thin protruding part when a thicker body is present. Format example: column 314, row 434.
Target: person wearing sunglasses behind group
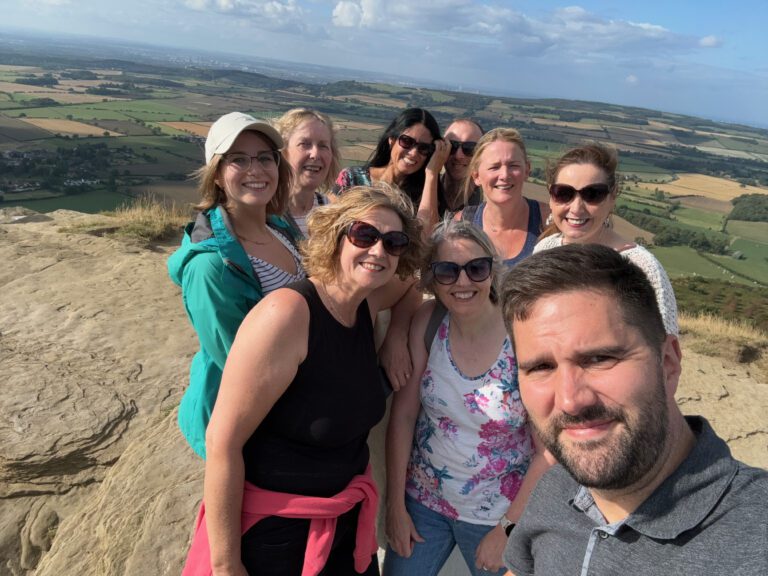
column 288, row 488
column 462, row 135
column 409, row 154
column 582, row 194
column 461, row 458
column 513, row 222
column 313, row 154
column 235, row 252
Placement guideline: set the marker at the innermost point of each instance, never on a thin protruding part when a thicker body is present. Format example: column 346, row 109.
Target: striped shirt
column 272, row 277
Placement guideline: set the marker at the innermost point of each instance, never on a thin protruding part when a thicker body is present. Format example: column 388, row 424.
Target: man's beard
column 622, row 458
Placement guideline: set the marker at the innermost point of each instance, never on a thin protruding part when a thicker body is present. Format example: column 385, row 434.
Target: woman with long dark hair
column 409, row 154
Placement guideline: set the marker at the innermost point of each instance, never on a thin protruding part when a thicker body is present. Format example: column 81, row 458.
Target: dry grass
column 62, row 126
column 735, row 340
column 195, row 128
column 706, row 186
column 144, row 220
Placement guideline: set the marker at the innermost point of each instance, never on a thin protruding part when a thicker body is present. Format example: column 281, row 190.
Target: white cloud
column 710, row 42
column 631, row 79
column 347, row 15
column 284, row 15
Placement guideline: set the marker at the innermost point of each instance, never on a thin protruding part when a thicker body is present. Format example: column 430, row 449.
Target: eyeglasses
column 423, row 148
column 592, row 194
column 363, row 235
column 467, row 147
column 242, row 162
column 477, row 269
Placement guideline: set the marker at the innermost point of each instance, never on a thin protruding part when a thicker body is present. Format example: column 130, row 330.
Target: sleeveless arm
column 263, row 361
column 402, row 419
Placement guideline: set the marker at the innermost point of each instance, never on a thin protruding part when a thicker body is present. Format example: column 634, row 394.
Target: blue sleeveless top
column 532, row 233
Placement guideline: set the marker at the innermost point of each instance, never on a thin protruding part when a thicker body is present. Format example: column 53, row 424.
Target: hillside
column 94, row 346
column 88, row 134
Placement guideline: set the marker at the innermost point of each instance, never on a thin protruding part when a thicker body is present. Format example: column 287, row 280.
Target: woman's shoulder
column 552, row 241
column 283, row 306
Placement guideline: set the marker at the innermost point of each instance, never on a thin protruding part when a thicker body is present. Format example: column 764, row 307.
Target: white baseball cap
column 226, row 129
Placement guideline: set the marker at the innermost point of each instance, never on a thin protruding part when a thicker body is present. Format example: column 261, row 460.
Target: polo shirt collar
column 687, row 496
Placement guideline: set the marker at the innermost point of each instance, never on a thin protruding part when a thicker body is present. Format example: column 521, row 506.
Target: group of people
column 505, row 372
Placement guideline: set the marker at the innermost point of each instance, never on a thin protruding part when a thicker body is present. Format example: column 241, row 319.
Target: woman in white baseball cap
column 237, row 250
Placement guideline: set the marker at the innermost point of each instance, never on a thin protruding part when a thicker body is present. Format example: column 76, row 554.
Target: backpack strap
column 435, row 319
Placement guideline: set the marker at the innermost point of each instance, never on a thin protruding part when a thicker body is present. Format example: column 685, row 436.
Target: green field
column 757, row 231
column 88, row 202
column 699, row 218
column 681, row 261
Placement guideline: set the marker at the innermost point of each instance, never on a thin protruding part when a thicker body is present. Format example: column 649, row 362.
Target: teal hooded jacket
column 219, row 288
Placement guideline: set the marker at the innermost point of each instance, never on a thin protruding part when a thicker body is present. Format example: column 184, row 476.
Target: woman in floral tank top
column 461, row 458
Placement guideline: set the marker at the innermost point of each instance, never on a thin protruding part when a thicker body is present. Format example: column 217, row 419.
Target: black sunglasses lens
column 455, row 145
column 562, row 193
column 406, row 141
column 395, row 243
column 424, row 149
column 362, row 235
column 445, row 272
column 594, row 193
column 478, row 269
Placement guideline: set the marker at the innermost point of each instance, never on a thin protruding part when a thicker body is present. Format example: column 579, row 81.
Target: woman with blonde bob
column 500, row 166
column 287, row 481
column 583, row 188
column 461, row 457
column 235, row 252
column 312, row 152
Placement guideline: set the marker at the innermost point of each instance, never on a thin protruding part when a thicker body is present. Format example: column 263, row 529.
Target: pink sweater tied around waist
column 322, row 513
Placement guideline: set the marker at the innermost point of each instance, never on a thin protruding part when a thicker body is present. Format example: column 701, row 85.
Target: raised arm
column 428, row 205
column 267, row 351
column 402, row 419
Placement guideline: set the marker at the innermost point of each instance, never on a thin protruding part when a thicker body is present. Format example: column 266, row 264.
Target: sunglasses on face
column 363, row 235
column 477, row 269
column 243, row 162
column 592, row 194
column 467, row 147
column 423, row 148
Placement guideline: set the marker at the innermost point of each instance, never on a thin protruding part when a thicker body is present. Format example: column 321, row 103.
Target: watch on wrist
column 507, row 525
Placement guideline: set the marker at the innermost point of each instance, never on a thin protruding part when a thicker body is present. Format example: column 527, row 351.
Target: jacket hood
column 212, row 232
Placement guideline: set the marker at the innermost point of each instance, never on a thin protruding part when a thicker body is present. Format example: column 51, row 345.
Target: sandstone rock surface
column 95, row 478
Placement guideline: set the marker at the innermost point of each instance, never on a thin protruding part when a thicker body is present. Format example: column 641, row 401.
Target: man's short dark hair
column 575, row 267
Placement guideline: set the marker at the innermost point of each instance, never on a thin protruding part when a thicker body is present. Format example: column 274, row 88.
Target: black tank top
column 314, row 440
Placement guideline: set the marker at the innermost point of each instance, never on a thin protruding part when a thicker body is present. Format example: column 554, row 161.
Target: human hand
column 488, row 555
column 395, row 358
column 401, row 532
column 439, row 156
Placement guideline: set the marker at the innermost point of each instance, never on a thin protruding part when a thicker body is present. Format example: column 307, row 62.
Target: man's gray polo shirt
column 710, row 517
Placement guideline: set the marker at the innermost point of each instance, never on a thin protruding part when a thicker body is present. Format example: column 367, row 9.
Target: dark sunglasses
column 467, row 147
column 363, row 235
column 477, row 269
column 406, row 143
column 592, row 194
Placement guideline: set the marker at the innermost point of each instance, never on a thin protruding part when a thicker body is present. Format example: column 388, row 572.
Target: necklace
column 332, row 307
column 255, row 241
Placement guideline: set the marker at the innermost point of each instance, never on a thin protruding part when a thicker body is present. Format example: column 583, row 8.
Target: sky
column 705, row 58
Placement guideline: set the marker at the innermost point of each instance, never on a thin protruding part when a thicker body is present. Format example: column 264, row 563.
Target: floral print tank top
column 472, row 443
